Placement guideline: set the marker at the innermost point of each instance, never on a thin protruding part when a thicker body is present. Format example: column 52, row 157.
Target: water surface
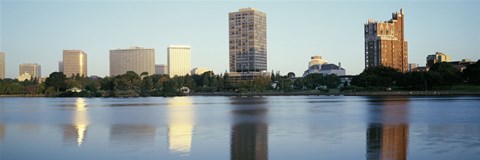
column 284, row 127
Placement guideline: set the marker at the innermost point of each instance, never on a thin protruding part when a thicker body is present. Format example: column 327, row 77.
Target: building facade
column 325, row 69
column 412, row 66
column 134, row 59
column 60, row 66
column 385, row 43
column 161, row 69
column 199, row 70
column 316, row 60
column 2, row 65
column 28, row 71
column 247, row 41
column 178, row 60
column 437, row 57
column 74, row 62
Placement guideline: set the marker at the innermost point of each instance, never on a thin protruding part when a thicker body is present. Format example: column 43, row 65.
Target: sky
column 37, row 31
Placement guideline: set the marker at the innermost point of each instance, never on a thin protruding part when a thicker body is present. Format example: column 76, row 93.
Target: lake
column 240, row 128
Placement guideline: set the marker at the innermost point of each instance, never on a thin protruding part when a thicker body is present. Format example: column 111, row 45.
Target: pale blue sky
column 38, row 31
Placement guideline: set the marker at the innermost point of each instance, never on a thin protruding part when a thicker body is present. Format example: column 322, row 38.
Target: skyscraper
column 29, row 70
column 385, row 43
column 247, row 42
column 74, row 62
column 178, row 60
column 60, row 66
column 2, row 65
column 135, row 59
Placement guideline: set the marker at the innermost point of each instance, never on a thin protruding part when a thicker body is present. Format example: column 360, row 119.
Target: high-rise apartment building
column 437, row 57
column 2, row 65
column 247, row 41
column 74, row 62
column 161, row 69
column 135, row 59
column 29, row 70
column 178, row 60
column 385, row 43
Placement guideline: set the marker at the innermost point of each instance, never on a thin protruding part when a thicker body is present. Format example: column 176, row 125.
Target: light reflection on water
column 298, row 127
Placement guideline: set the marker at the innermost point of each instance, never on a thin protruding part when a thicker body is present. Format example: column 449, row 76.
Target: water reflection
column 80, row 121
column 128, row 135
column 180, row 124
column 249, row 137
column 2, row 131
column 388, row 130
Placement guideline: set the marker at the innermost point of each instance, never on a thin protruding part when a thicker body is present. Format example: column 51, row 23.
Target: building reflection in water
column 387, row 133
column 2, row 131
column 77, row 130
column 249, row 133
column 180, row 124
column 128, row 135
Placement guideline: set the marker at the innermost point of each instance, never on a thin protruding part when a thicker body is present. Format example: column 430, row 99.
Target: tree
column 447, row 72
column 56, row 80
column 379, row 76
column 472, row 73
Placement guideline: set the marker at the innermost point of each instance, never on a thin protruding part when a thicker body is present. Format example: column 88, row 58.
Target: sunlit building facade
column 135, row 59
column 29, row 71
column 74, row 62
column 437, row 57
column 199, row 71
column 316, row 60
column 178, row 60
column 385, row 43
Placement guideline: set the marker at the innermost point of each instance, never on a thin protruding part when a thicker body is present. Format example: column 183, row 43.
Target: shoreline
column 372, row 93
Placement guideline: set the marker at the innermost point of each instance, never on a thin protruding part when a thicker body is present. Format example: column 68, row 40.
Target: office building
column 2, row 65
column 325, row 69
column 29, row 71
column 247, row 43
column 134, row 59
column 161, row 69
column 74, row 62
column 200, row 71
column 178, row 60
column 385, row 43
column 437, row 57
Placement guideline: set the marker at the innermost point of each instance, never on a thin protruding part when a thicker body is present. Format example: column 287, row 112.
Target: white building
column 28, row 71
column 178, row 60
column 134, row 59
column 199, row 71
column 325, row 69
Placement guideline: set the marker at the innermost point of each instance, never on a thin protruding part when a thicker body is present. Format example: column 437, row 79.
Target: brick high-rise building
column 385, row 43
column 247, row 42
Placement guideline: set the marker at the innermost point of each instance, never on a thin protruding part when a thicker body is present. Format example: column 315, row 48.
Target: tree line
column 440, row 76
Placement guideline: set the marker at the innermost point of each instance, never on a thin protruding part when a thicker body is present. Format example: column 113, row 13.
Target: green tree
column 447, row 71
column 472, row 73
column 56, row 80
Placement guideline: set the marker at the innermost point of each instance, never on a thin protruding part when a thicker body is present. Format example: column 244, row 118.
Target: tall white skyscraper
column 74, row 62
column 2, row 65
column 178, row 60
column 135, row 59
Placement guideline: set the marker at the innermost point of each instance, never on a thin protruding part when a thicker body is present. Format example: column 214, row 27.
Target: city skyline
column 293, row 36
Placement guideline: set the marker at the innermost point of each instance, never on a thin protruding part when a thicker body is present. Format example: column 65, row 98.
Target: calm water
column 209, row 128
